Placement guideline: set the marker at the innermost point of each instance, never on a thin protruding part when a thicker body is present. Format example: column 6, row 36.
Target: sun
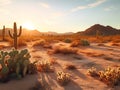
column 28, row 25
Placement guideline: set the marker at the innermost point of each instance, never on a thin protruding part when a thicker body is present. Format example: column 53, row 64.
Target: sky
column 59, row 15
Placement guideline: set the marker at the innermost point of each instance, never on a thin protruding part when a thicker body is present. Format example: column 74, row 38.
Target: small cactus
column 110, row 76
column 63, row 78
column 15, row 34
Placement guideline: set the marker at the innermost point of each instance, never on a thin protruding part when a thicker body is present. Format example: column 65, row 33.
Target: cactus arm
column 20, row 31
column 10, row 35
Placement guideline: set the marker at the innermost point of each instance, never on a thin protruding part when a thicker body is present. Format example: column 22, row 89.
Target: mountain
column 101, row 30
column 6, row 31
column 25, row 32
column 55, row 33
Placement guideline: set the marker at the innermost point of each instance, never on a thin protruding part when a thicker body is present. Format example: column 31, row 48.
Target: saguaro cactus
column 3, row 33
column 15, row 34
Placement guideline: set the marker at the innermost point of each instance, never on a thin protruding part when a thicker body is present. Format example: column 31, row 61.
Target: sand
column 87, row 57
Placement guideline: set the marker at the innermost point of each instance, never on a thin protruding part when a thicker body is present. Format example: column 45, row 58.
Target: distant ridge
column 101, row 30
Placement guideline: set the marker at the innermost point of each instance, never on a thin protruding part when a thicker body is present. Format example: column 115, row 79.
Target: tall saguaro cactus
column 15, row 34
column 3, row 33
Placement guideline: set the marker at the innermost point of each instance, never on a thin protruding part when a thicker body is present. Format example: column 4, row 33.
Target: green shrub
column 67, row 40
column 84, row 43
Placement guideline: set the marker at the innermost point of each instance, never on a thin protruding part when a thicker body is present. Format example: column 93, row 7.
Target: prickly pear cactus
column 16, row 63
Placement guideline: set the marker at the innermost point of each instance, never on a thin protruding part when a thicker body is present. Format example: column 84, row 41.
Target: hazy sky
column 60, row 15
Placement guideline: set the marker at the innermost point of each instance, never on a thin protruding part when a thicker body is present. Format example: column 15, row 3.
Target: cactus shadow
column 72, row 86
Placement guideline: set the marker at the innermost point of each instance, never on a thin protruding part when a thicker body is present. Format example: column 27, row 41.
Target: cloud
column 98, row 2
column 95, row 4
column 45, row 5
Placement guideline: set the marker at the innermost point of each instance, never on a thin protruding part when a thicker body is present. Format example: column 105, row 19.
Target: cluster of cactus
column 67, row 40
column 15, row 63
column 110, row 76
column 84, row 42
column 63, row 78
column 44, row 66
column 92, row 72
column 15, row 34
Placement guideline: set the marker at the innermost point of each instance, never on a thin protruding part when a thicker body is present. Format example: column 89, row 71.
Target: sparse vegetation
column 110, row 76
column 92, row 72
column 67, row 40
column 85, row 42
column 44, row 66
column 70, row 67
column 75, row 43
column 64, row 50
column 41, row 42
column 63, row 78
column 82, row 42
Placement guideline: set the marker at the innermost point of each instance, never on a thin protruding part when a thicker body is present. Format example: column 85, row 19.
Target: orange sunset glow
column 59, row 44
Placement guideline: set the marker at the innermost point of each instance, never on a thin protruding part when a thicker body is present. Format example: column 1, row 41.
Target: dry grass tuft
column 44, row 66
column 108, row 58
column 75, row 43
column 41, row 42
column 101, row 44
column 91, row 54
column 64, row 50
column 70, row 67
column 52, row 61
column 2, row 46
column 115, row 44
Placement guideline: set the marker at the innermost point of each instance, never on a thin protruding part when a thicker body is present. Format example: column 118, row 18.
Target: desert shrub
column 52, row 61
column 63, row 78
column 110, row 76
column 115, row 44
column 2, row 46
column 100, row 44
column 84, row 43
column 67, row 40
column 75, row 43
column 22, row 43
column 64, row 50
column 41, row 42
column 70, row 67
column 44, row 66
column 15, row 64
column 92, row 72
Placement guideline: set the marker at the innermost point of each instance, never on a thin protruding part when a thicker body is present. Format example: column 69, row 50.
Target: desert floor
column 87, row 57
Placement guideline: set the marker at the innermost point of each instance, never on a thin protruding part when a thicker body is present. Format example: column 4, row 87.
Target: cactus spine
column 3, row 33
column 15, row 34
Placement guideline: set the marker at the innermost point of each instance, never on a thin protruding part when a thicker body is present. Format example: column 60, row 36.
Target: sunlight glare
column 28, row 25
